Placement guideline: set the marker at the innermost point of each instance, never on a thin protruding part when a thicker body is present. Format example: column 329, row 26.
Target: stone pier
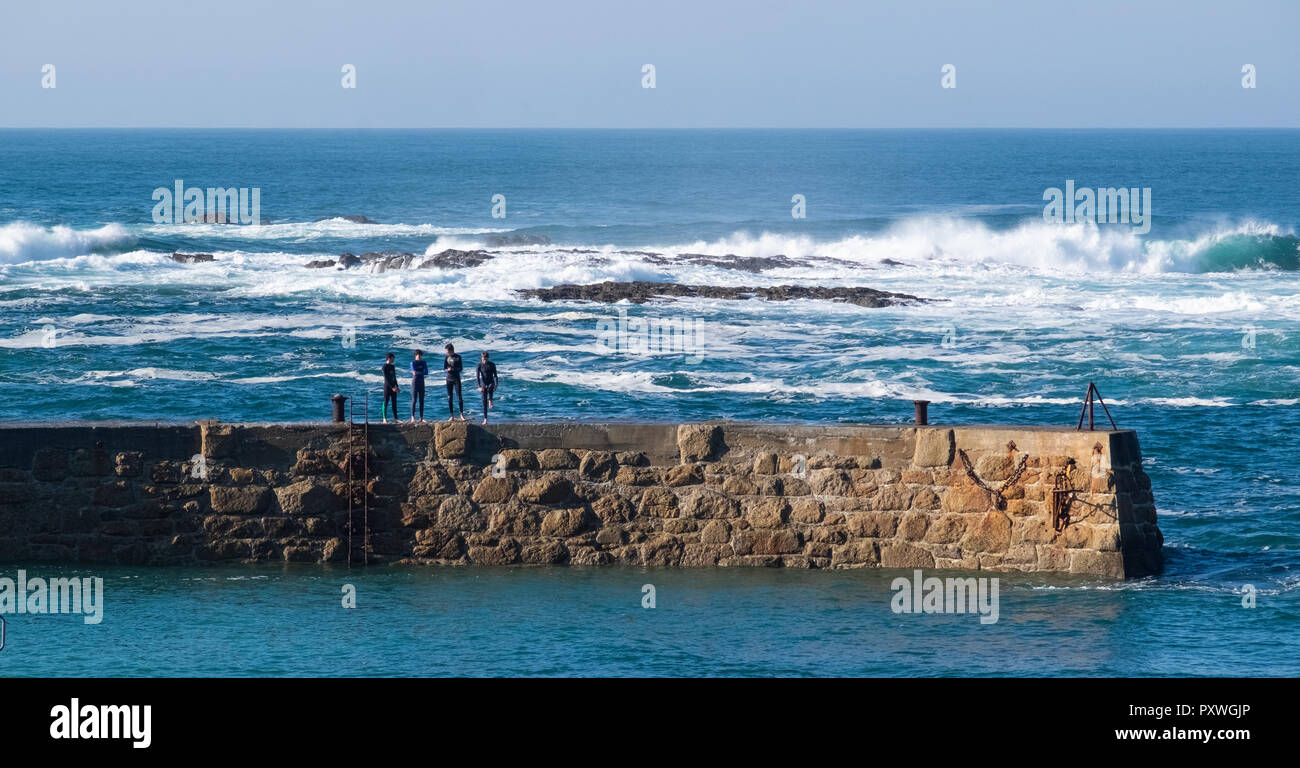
column 698, row 495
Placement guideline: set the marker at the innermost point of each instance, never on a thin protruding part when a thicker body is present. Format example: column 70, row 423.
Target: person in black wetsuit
column 452, row 365
column 390, row 387
column 419, row 369
column 486, row 375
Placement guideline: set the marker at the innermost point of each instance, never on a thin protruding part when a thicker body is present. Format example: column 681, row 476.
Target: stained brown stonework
column 716, row 494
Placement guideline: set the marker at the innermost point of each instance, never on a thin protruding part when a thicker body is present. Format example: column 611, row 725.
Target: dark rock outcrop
column 455, row 259
column 377, row 261
column 500, row 241
column 639, row 292
column 192, row 258
column 754, row 264
column 382, row 262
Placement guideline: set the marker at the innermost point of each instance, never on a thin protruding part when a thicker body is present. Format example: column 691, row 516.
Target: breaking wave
column 306, row 231
column 21, row 241
column 1034, row 244
column 925, row 241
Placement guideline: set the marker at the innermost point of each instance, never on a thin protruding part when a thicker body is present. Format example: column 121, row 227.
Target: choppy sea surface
column 1191, row 331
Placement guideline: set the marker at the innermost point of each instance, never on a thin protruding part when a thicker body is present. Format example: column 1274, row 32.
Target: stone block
column 934, row 448
column 553, row 459
column 903, row 555
column 451, row 439
column 699, row 442
column 710, row 505
column 991, row 534
column 659, row 502
column 494, row 490
column 765, row 464
column 598, row 466
column 637, row 476
column 240, row 500
column 457, row 513
column 548, row 489
column 685, row 474
column 517, row 459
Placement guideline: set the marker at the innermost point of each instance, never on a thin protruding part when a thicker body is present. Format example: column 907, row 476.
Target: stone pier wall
column 714, row 494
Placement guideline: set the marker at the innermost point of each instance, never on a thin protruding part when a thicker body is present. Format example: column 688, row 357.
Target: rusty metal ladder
column 359, row 471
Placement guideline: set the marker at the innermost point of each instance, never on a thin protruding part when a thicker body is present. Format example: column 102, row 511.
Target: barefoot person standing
column 419, row 369
column 390, row 387
column 486, row 375
column 452, row 365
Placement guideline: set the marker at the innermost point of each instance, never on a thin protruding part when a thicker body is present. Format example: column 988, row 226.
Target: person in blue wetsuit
column 419, row 369
column 486, row 376
column 452, row 365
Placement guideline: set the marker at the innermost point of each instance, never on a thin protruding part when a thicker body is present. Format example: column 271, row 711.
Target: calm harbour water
column 590, row 621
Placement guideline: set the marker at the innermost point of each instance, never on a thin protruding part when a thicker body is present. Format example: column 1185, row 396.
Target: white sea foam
column 306, row 231
column 128, row 378
column 1232, row 301
column 780, row 389
column 1192, row 402
column 174, row 326
column 131, row 378
column 23, row 242
column 355, row 375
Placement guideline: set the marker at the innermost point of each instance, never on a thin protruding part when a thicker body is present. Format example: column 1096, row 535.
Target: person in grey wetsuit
column 486, row 375
column 452, row 365
column 419, row 369
column 390, row 387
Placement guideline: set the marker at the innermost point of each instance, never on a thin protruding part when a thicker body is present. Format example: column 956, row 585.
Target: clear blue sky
column 577, row 63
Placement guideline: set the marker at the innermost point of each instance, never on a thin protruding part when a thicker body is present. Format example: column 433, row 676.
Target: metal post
column 1087, row 401
column 922, row 412
column 338, row 401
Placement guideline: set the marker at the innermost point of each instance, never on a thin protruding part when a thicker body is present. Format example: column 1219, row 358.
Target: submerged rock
column 639, row 292
column 753, row 264
column 192, row 258
column 455, row 259
column 377, row 262
column 212, row 217
column 498, row 241
column 382, row 262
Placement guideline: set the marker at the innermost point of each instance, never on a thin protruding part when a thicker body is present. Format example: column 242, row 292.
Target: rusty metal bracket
column 1059, row 499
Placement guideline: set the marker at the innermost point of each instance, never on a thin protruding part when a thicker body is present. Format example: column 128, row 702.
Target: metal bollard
column 338, row 401
column 922, row 412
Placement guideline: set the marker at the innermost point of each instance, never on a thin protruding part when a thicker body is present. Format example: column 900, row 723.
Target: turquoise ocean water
column 1191, row 330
